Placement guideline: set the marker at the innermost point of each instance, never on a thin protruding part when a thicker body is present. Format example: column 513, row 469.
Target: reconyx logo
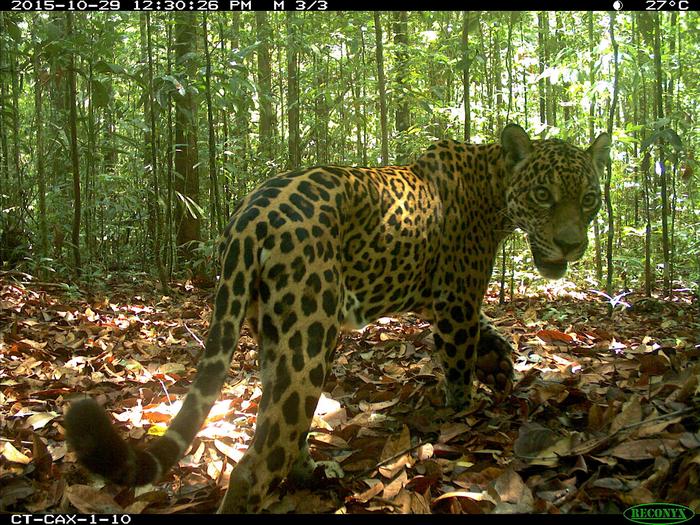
column 658, row 514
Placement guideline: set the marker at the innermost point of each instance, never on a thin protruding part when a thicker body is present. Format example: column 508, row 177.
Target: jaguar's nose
column 566, row 246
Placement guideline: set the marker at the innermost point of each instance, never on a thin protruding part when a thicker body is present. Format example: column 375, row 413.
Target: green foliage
column 511, row 69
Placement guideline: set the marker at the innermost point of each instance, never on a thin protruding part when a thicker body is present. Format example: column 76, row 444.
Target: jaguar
column 312, row 252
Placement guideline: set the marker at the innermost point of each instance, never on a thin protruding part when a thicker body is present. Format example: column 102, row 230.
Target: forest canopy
column 127, row 138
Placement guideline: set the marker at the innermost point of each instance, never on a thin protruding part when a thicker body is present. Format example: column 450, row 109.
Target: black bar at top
column 349, row 5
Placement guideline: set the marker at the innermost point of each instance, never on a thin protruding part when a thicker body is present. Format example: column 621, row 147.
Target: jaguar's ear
column 515, row 142
column 599, row 151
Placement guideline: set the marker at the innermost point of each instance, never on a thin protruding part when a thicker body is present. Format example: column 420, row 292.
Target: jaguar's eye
column 590, row 200
column 542, row 195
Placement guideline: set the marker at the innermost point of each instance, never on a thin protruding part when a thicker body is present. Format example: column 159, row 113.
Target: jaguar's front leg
column 494, row 366
column 456, row 335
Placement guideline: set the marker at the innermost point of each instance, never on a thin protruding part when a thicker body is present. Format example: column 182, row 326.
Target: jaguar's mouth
column 550, row 269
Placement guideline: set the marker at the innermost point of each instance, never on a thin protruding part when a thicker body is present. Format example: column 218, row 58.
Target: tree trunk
column 608, row 199
column 216, row 224
column 21, row 191
column 266, row 124
column 294, row 160
column 541, row 53
column 357, row 84
column 591, row 137
column 186, row 183
column 665, row 245
column 224, row 117
column 365, row 132
column 403, row 115
column 170, row 246
column 496, row 77
column 150, row 153
column 466, row 80
column 39, row 151
column 5, row 182
column 509, row 63
column 242, row 147
column 381, row 87
column 73, row 137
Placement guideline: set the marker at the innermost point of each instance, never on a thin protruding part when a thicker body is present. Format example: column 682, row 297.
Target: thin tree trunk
column 39, row 151
column 151, row 155
column 541, row 88
column 170, row 149
column 591, row 136
column 90, row 160
column 5, row 183
column 549, row 51
column 608, row 199
column 242, row 125
column 224, row 117
column 509, row 63
column 73, row 137
column 16, row 168
column 356, row 81
column 216, row 219
column 365, row 132
column 403, row 115
column 510, row 80
column 381, row 87
column 496, row 77
column 662, row 158
column 294, row 160
column 466, row 80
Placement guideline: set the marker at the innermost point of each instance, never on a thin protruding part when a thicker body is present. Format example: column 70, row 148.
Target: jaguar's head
column 553, row 194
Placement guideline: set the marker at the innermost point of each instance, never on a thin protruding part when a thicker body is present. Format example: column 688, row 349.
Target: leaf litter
column 605, row 412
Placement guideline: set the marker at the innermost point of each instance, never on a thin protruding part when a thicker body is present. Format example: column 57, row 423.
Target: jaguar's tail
column 88, row 428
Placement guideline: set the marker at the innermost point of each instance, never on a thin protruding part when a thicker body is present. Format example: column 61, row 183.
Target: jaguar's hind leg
column 294, row 357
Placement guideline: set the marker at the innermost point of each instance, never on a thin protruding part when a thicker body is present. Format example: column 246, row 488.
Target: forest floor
column 605, row 413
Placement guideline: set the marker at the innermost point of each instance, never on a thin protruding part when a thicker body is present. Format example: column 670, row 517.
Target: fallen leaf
column 554, row 336
column 511, row 494
column 89, row 500
column 645, row 449
column 630, row 414
column 10, row 453
column 41, row 419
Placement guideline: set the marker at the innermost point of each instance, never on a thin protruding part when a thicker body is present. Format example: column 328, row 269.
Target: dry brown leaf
column 532, row 439
column 511, row 494
column 40, row 420
column 554, row 336
column 89, row 500
column 231, row 452
column 395, row 445
column 476, row 496
column 10, row 453
column 630, row 414
column 375, row 487
column 392, row 488
column 449, row 431
column 645, row 449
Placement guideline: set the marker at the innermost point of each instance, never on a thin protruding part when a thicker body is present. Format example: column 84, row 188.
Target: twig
column 194, row 335
column 388, row 460
column 11, row 273
column 582, row 448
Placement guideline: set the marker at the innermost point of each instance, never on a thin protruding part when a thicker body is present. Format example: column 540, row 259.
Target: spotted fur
column 312, row 252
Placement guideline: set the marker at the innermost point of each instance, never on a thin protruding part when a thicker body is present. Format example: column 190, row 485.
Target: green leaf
column 194, row 209
column 673, row 139
column 106, row 67
column 13, row 29
column 100, row 94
